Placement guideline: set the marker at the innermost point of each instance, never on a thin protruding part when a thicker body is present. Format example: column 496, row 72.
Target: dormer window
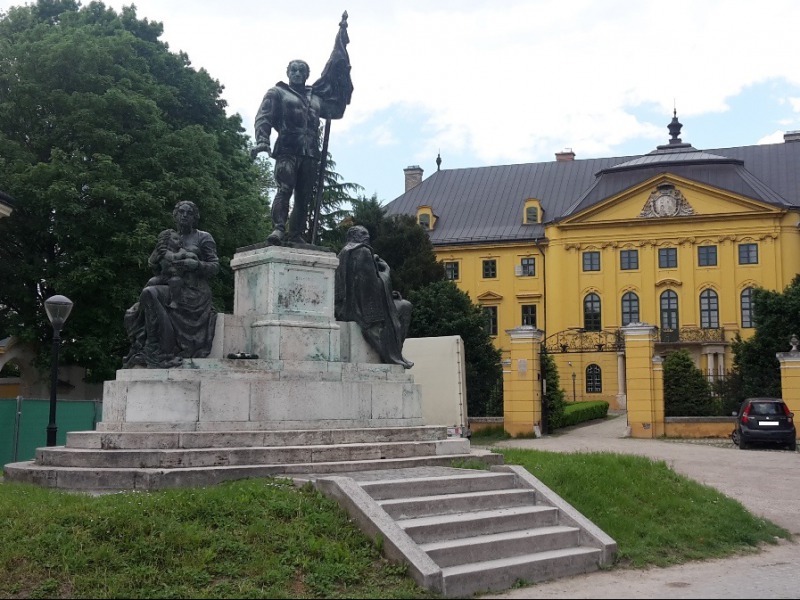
column 533, row 212
column 425, row 217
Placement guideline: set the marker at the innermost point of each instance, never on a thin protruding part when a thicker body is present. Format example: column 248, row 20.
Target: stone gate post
column 522, row 389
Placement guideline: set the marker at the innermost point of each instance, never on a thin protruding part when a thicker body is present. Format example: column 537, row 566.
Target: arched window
column 591, row 312
column 747, row 307
column 709, row 309
column 594, row 379
column 669, row 317
column 630, row 308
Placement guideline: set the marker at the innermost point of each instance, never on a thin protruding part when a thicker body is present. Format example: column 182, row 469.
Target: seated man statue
column 363, row 294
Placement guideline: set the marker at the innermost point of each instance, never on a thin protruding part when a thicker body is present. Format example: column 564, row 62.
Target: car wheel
column 735, row 437
column 793, row 446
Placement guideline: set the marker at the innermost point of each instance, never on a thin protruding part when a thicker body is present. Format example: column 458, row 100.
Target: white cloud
column 501, row 80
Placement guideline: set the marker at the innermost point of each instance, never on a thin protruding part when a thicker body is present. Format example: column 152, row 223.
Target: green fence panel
column 8, row 414
column 71, row 415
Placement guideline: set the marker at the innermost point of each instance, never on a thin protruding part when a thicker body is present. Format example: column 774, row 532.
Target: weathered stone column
column 522, row 390
column 641, row 382
column 790, row 377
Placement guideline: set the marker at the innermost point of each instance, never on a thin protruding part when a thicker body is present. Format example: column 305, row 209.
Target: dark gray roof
column 486, row 203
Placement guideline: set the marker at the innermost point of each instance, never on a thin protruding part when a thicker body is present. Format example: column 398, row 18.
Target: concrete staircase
column 465, row 531
column 100, row 461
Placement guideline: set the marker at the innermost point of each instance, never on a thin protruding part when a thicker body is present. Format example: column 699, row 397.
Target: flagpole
column 323, row 159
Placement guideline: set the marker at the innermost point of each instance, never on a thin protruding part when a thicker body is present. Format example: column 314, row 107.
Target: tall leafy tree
column 102, row 130
column 440, row 308
column 337, row 196
column 776, row 317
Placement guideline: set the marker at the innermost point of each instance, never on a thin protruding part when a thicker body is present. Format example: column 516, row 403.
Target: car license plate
column 768, row 423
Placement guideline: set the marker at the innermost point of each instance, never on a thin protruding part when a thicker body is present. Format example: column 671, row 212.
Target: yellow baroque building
column 677, row 239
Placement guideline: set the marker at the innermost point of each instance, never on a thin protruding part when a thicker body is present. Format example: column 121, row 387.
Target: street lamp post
column 58, row 309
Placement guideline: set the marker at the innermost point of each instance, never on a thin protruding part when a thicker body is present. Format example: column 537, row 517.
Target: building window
column 529, row 314
column 707, row 256
column 528, row 267
column 489, row 269
column 591, row 261
column 425, row 221
column 709, row 310
column 748, row 254
column 594, row 379
column 747, row 307
column 629, row 260
column 451, row 270
column 532, row 214
column 591, row 312
column 491, row 319
column 669, row 317
column 630, row 308
column 667, row 258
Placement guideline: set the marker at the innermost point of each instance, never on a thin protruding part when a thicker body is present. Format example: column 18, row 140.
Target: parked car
column 764, row 420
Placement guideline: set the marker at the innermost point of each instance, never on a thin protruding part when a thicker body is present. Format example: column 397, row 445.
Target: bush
column 554, row 399
column 576, row 413
column 687, row 392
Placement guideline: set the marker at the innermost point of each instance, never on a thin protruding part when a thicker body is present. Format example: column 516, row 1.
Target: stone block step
column 113, row 479
column 503, row 573
column 462, row 525
column 60, row 456
column 441, row 504
column 490, row 546
column 476, row 481
column 138, row 440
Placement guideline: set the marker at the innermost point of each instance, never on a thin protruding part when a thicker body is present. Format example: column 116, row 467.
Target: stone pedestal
column 284, row 303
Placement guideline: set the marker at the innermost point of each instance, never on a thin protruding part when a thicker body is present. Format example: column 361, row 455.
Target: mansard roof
column 485, row 204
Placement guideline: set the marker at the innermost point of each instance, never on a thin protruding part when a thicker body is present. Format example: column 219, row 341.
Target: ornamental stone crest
column 666, row 201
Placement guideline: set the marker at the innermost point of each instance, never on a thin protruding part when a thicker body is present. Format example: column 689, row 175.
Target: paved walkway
column 766, row 482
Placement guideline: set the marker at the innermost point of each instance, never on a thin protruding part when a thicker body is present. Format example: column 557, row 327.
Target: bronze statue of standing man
column 294, row 110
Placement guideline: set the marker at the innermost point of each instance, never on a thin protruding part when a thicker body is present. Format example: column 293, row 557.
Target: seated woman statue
column 173, row 319
column 363, row 293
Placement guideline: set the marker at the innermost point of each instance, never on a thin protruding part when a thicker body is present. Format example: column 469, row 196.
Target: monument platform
column 315, row 400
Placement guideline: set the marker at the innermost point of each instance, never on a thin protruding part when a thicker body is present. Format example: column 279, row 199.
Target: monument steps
column 464, row 531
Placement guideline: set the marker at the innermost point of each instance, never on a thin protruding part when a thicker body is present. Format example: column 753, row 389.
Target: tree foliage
column 102, row 131
column 337, row 195
column 687, row 392
column 776, row 317
column 554, row 397
column 401, row 242
column 441, row 309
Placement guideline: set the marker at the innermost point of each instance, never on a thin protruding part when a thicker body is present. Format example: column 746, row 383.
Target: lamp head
column 58, row 308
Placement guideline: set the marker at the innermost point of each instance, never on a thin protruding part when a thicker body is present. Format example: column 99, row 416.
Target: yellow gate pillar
column 522, row 390
column 790, row 377
column 645, row 382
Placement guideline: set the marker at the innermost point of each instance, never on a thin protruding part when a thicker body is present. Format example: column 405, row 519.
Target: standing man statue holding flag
column 294, row 111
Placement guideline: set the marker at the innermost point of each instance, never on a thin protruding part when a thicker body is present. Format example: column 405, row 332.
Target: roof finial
column 439, row 160
column 674, row 128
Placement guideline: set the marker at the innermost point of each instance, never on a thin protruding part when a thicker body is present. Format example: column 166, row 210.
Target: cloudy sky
column 487, row 82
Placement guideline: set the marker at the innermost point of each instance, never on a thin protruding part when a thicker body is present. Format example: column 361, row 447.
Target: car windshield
column 766, row 408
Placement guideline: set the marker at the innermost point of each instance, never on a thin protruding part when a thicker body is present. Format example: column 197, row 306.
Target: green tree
column 102, row 131
column 337, row 196
column 554, row 398
column 440, row 309
column 776, row 317
column 400, row 241
column 687, row 392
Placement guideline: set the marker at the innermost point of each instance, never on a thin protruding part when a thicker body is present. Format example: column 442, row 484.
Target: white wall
column 439, row 369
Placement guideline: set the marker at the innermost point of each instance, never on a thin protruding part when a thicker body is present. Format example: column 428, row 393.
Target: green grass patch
column 656, row 516
column 489, row 435
column 246, row 539
column 266, row 538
